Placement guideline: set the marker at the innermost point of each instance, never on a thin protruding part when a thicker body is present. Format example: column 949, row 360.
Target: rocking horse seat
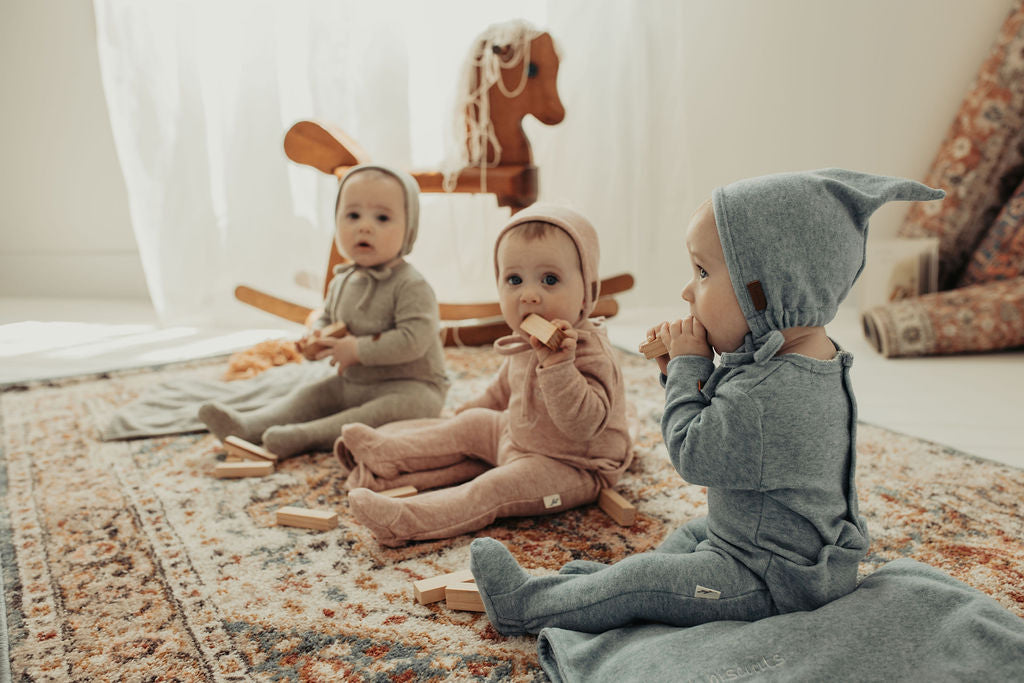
column 330, row 150
column 513, row 186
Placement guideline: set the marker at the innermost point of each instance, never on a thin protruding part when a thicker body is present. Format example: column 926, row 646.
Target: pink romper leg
column 524, row 485
column 421, row 453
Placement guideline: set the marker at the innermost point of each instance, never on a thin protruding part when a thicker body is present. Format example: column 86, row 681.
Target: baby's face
column 710, row 294
column 370, row 219
column 539, row 276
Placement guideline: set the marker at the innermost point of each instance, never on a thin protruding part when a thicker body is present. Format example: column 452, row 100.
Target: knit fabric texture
column 802, row 237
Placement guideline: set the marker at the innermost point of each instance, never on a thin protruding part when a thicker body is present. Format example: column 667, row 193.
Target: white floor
column 974, row 403
column 42, row 338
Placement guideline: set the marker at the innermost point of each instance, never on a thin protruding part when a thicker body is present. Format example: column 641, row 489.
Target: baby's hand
column 344, row 352
column 685, row 338
column 566, row 350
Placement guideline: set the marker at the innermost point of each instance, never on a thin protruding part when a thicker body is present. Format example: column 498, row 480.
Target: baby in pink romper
column 547, row 435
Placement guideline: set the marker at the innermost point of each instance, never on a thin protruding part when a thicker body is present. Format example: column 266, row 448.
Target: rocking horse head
column 511, row 71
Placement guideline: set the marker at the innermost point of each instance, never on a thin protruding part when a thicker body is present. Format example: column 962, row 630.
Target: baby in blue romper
column 770, row 431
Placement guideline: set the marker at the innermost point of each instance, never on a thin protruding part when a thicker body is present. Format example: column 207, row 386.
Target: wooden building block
column 400, row 492
column 305, row 518
column 242, row 449
column 243, row 468
column 463, row 596
column 653, row 348
column 545, row 331
column 432, row 589
column 334, row 330
column 617, row 507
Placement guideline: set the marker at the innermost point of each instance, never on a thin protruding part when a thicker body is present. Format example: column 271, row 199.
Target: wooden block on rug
column 432, row 589
column 305, row 518
column 400, row 492
column 653, row 348
column 243, row 468
column 463, row 596
column 617, row 507
column 545, row 331
column 240, row 448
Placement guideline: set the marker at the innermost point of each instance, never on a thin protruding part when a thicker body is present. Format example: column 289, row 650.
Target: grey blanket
column 172, row 408
column 905, row 622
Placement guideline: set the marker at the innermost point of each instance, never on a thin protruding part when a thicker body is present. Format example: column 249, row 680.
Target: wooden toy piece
column 272, row 304
column 334, row 330
column 244, row 468
column 432, row 589
column 617, row 507
column 545, row 331
column 463, row 596
column 243, row 450
column 321, row 520
column 323, row 146
column 653, row 348
column 400, row 492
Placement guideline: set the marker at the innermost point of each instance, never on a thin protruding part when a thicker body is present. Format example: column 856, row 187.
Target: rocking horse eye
column 531, row 71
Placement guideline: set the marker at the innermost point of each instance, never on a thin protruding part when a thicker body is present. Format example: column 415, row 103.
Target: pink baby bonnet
column 583, row 236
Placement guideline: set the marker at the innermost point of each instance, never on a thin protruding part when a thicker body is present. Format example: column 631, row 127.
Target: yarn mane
column 500, row 46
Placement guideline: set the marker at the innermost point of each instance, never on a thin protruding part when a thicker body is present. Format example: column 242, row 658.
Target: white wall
column 871, row 85
column 64, row 227
column 770, row 85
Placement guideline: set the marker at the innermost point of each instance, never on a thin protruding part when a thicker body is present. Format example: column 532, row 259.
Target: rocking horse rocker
column 511, row 71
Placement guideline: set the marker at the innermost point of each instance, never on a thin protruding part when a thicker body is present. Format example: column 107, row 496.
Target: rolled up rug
column 981, row 160
column 983, row 317
column 1000, row 255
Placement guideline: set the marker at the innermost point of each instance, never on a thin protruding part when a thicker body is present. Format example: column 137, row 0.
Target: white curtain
column 621, row 154
column 200, row 94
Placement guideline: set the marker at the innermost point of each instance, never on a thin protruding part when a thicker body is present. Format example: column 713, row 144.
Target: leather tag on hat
column 757, row 296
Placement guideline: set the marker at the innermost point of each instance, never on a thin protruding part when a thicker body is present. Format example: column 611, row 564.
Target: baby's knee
column 411, row 401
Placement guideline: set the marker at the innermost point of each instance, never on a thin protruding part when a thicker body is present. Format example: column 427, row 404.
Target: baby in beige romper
column 390, row 365
column 547, row 435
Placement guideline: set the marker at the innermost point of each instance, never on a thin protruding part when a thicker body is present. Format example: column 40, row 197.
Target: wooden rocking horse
column 511, row 71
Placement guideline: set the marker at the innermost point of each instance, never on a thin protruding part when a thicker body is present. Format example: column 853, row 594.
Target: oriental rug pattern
column 128, row 561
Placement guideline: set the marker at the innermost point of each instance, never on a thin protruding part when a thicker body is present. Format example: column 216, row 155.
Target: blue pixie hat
column 795, row 243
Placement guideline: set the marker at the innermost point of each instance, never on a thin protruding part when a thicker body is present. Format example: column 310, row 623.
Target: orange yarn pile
column 252, row 361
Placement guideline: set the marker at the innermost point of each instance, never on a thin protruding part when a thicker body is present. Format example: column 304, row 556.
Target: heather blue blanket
column 173, row 407
column 906, row 621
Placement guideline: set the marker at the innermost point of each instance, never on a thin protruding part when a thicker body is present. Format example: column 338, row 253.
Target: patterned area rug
column 128, row 561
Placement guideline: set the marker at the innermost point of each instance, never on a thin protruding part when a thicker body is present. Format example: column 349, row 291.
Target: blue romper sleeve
column 712, row 440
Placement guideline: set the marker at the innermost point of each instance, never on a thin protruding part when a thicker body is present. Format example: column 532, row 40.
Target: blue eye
column 550, row 280
column 514, row 280
column 701, row 272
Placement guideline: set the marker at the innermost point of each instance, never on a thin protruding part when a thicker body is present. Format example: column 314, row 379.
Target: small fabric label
column 706, row 593
column 757, row 296
column 552, row 501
